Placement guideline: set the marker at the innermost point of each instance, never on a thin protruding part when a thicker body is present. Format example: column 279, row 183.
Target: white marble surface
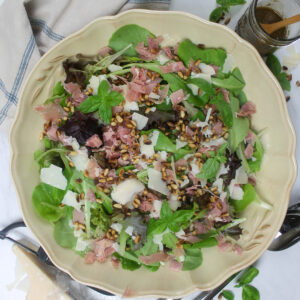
column 279, row 271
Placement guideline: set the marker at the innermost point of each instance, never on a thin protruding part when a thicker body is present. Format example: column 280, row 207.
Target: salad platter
column 153, row 153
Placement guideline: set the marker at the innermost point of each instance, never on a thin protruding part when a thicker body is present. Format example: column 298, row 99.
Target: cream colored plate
column 274, row 182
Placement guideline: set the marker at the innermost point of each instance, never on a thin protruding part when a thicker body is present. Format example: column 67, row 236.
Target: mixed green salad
column 148, row 154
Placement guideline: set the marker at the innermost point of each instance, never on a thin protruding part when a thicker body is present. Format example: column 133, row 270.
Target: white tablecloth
column 278, row 278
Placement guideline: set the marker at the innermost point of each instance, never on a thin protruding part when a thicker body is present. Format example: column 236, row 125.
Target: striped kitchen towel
column 29, row 28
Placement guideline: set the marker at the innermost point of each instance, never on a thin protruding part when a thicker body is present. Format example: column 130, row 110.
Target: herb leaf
column 250, row 293
column 46, row 200
column 170, row 240
column 227, row 295
column 193, row 259
column 103, row 102
column 64, row 234
column 206, row 243
column 188, row 50
column 216, row 14
column 224, row 109
column 249, row 197
column 230, row 83
column 129, row 34
column 275, row 66
column 209, row 169
column 247, row 277
column 240, row 126
column 90, row 104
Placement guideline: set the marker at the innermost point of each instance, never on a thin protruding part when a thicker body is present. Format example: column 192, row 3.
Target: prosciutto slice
column 177, row 97
column 173, row 67
column 77, row 95
column 247, row 109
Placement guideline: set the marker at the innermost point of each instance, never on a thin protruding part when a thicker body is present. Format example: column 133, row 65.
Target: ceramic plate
column 274, row 182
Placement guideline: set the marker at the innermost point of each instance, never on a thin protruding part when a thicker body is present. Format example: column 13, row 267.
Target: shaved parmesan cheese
column 180, row 144
column 94, row 83
column 81, row 159
column 70, row 200
column 180, row 234
column 162, row 58
column 141, row 121
column 81, row 244
column 131, row 106
column 154, row 137
column 217, row 142
column 54, row 176
column 181, row 258
column 153, row 109
column 169, row 40
column 126, row 190
column 241, row 176
column 208, row 115
column 156, row 183
column 116, row 246
column 173, row 202
column 184, row 183
column 155, row 213
column 194, row 88
column 204, row 76
column 195, row 168
column 157, row 239
column 117, row 227
column 235, row 191
column 219, row 184
column 129, row 230
column 113, row 68
column 207, row 69
column 163, row 155
column 147, row 150
column 154, row 96
column 222, row 170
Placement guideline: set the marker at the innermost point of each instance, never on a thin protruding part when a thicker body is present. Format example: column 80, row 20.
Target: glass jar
column 249, row 28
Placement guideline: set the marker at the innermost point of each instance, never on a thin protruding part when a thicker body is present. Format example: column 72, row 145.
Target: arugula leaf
column 165, row 144
column 129, row 34
column 258, row 154
column 168, row 219
column 247, row 277
column 250, row 293
column 224, row 109
column 149, row 248
column 275, row 67
column 193, row 259
column 64, row 233
column 57, row 92
column 248, row 197
column 240, row 126
column 242, row 97
column 227, row 295
column 105, row 62
column 205, row 243
column 165, row 211
column 273, row 64
column 46, row 200
column 127, row 264
column 216, row 14
column 187, row 50
column 285, row 84
column 230, row 83
column 142, row 176
column 170, row 240
column 209, row 169
column 156, row 227
column 236, row 72
column 103, row 102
